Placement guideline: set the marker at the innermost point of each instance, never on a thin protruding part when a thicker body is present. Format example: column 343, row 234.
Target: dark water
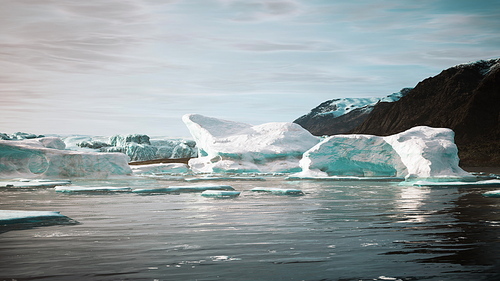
column 337, row 231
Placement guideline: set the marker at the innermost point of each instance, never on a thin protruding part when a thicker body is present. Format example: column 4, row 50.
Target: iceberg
column 188, row 188
column 47, row 157
column 91, row 189
column 228, row 146
column 279, row 191
column 220, row 194
column 420, row 152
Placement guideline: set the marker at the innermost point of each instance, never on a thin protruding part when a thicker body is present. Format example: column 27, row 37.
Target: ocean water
column 339, row 230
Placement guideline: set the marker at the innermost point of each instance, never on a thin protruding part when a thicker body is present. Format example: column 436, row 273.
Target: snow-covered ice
column 46, row 157
column 278, row 191
column 228, row 146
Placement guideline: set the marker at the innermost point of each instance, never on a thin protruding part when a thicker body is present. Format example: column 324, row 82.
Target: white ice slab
column 69, row 189
column 13, row 215
column 493, row 193
column 220, row 194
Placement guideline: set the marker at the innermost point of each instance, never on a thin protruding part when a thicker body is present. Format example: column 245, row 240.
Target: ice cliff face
column 46, row 157
column 227, row 146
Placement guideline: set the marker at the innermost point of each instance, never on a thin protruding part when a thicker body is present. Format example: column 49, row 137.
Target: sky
column 105, row 67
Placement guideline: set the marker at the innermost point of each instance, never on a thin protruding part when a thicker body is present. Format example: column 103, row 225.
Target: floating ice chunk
column 493, row 193
column 220, row 194
column 12, row 216
column 164, row 168
column 91, row 189
column 31, row 158
column 279, row 191
column 224, row 258
column 227, row 146
column 34, row 183
column 485, row 183
column 188, row 188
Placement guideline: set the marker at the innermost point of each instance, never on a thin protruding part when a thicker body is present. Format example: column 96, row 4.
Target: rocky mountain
column 464, row 98
column 339, row 116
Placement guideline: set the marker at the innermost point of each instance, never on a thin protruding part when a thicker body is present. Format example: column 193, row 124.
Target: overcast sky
column 105, row 67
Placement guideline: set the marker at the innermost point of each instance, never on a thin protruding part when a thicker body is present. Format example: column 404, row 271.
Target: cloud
column 262, row 10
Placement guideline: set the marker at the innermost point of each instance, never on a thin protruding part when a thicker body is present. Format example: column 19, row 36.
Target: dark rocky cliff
column 465, row 98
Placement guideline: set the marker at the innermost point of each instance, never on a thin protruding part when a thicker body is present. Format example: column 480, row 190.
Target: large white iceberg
column 227, row 146
column 420, row 152
column 47, row 158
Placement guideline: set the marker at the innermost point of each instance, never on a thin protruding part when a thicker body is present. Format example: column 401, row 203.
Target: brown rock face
column 464, row 98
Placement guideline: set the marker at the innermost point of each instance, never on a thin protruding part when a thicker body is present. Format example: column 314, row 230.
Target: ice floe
column 11, row 216
column 187, row 188
column 25, row 183
column 493, row 193
column 278, row 191
column 91, row 189
column 220, row 194
column 484, row 183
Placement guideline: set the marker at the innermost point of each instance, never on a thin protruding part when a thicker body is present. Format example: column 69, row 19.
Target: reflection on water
column 336, row 231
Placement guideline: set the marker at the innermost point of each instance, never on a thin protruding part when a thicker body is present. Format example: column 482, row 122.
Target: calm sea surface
column 347, row 230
